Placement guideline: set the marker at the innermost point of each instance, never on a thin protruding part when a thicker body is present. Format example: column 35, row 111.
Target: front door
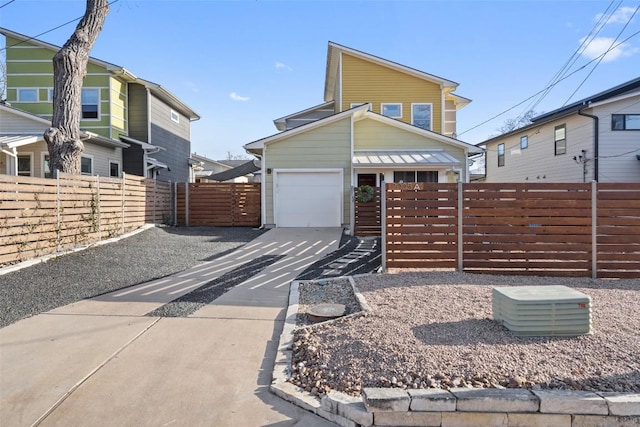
column 367, row 179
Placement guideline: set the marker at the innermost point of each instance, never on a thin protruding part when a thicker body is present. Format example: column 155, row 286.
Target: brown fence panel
column 527, row 229
column 181, row 212
column 421, row 229
column 618, row 230
column 44, row 216
column 220, row 204
column 368, row 216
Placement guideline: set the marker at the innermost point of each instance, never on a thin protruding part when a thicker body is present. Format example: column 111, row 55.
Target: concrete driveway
column 159, row 353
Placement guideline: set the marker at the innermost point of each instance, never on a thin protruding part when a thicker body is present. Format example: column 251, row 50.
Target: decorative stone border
column 458, row 407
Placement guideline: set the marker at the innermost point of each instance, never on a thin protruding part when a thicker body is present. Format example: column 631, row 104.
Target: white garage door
column 308, row 198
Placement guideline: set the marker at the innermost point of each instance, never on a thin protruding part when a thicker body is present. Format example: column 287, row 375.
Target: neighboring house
column 596, row 138
column 23, row 150
column 381, row 121
column 116, row 104
column 206, row 169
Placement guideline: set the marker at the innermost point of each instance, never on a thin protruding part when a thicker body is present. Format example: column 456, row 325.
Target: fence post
column 174, row 186
column 58, row 226
column 98, row 207
column 594, row 229
column 186, row 204
column 460, row 235
column 124, row 176
column 383, row 224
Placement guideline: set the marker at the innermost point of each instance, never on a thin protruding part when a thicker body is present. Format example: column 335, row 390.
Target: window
column 24, row 164
column 391, row 110
column 90, row 104
column 625, row 122
column 114, row 169
column 415, row 176
column 50, row 95
column 421, row 115
column 27, row 95
column 46, row 166
column 175, row 116
column 560, row 139
column 86, row 165
column 500, row 155
column 524, row 142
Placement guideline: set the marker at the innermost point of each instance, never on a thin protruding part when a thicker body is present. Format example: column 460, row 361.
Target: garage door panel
column 308, row 199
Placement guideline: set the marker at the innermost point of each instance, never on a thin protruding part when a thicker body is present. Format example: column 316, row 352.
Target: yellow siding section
column 118, row 104
column 364, row 81
column 372, row 135
column 325, row 147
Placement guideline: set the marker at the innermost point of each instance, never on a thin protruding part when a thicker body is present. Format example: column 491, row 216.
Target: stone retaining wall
column 458, row 407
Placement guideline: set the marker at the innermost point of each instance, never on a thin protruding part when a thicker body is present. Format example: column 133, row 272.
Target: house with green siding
column 380, row 122
column 152, row 124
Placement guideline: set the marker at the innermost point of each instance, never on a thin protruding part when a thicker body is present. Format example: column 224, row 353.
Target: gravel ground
column 434, row 330
column 151, row 254
column 333, row 291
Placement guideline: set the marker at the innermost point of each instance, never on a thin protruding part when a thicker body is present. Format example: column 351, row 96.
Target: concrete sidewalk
column 104, row 362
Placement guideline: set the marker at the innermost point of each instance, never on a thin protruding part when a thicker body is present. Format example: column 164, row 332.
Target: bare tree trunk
column 69, row 69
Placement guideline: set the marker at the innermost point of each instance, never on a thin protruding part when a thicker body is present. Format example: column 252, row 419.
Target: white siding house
column 597, row 138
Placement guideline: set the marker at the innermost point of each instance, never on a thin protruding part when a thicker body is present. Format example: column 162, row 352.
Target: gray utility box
column 542, row 310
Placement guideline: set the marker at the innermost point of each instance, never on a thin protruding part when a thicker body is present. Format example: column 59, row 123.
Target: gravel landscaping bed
column 329, row 291
column 435, row 330
column 151, row 254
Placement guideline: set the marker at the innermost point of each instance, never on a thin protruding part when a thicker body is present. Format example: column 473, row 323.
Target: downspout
column 596, row 152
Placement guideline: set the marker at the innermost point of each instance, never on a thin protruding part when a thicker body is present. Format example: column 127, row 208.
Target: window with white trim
column 175, row 116
column 421, row 115
column 393, row 110
column 625, row 122
column 560, row 139
column 25, row 162
column 86, row 165
column 415, row 176
column 90, row 104
column 50, row 95
column 46, row 166
column 500, row 155
column 114, row 169
column 27, row 95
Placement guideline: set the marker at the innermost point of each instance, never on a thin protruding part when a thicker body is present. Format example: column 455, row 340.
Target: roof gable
column 333, row 62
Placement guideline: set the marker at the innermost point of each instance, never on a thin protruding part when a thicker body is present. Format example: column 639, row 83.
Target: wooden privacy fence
column 537, row 229
column 218, row 204
column 367, row 216
column 43, row 216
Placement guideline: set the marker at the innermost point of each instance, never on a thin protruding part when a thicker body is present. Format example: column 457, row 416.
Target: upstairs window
column 421, row 116
column 524, row 142
column 560, row 140
column 50, row 95
column 175, row 116
column 90, row 104
column 27, row 95
column 114, row 169
column 500, row 155
column 391, row 110
column 625, row 122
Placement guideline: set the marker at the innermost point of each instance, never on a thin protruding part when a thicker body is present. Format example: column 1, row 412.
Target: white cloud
column 237, row 97
column 600, row 45
column 282, row 66
column 620, row 16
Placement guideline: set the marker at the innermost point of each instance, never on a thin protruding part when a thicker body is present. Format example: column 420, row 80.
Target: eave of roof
column 149, row 148
column 333, row 54
column 281, row 122
column 246, row 168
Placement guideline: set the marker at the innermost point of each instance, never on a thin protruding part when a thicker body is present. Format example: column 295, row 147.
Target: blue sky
column 242, row 64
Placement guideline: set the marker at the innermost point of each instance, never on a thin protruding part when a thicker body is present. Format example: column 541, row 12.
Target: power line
column 7, row 3
column 554, row 84
column 53, row 29
column 602, row 57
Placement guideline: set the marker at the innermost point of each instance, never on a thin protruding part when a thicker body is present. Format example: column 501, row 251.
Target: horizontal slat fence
column 367, row 216
column 44, row 216
column 552, row 229
column 219, row 204
column 618, row 230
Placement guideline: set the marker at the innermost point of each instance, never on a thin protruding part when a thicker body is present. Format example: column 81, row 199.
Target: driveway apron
column 167, row 352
